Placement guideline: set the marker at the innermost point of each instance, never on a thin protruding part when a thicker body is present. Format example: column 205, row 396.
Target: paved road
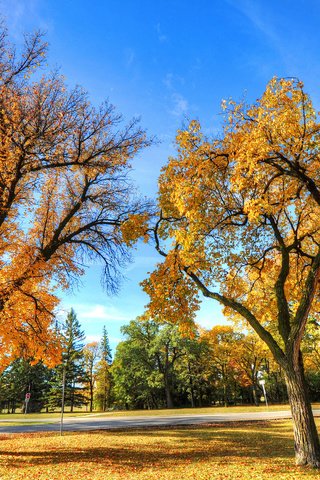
column 97, row 422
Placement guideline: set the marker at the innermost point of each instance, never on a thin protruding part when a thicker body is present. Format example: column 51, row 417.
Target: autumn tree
column 251, row 360
column 223, row 344
column 90, row 357
column 242, row 215
column 311, row 346
column 311, row 352
column 64, row 193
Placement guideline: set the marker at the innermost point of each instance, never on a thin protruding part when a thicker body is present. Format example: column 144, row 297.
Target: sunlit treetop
column 241, row 215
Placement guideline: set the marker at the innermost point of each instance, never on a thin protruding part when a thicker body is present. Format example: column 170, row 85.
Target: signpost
column 28, row 395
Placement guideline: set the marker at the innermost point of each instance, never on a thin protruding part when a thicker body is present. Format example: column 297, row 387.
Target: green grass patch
column 15, row 424
column 18, row 416
column 41, row 418
column 199, row 411
column 239, row 451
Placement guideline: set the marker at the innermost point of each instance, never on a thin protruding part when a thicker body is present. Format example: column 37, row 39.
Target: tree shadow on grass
column 247, row 433
column 162, row 448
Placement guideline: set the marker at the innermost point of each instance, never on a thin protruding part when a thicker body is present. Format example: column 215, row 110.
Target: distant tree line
column 155, row 366
column 84, row 369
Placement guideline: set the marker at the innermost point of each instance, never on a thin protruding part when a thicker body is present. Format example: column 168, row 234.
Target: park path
column 97, row 422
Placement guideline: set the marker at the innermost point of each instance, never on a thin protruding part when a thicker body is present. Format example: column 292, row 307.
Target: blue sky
column 167, row 61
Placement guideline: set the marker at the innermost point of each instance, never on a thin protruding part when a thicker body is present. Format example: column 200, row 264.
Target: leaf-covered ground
column 237, row 451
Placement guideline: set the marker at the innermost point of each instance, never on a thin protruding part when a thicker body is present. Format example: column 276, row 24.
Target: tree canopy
column 64, row 193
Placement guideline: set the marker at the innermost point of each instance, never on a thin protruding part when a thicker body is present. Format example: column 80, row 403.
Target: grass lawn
column 239, row 451
column 54, row 415
column 202, row 410
column 17, row 417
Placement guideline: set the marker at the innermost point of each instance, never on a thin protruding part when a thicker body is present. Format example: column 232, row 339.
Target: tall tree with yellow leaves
column 64, row 192
column 242, row 215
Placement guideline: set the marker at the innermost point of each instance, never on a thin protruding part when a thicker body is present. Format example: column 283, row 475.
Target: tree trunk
column 191, row 386
column 255, row 395
column 91, row 396
column 169, row 400
column 306, row 440
column 105, row 391
column 225, row 395
column 167, row 369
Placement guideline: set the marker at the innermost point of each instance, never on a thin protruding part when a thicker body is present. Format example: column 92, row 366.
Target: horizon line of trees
column 155, row 366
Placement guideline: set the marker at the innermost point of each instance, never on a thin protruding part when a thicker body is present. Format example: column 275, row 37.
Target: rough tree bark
column 306, row 439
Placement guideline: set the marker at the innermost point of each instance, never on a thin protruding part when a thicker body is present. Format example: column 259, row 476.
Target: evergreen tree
column 73, row 366
column 22, row 377
column 105, row 347
column 103, row 376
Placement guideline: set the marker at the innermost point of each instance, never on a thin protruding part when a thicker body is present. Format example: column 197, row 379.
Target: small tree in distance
column 242, row 213
column 103, row 376
column 91, row 355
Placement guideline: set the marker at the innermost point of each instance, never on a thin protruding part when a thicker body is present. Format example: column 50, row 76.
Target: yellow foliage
column 242, row 215
column 134, row 228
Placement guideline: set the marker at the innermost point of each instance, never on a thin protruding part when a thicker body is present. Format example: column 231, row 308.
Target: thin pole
column 62, row 399
column 265, row 395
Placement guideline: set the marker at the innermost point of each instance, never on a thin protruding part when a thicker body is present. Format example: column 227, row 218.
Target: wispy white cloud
column 93, row 317
column 256, row 17
column 180, row 105
column 97, row 338
column 168, row 80
column 97, row 312
column 173, row 81
column 18, row 14
column 130, row 57
column 161, row 36
column 268, row 26
column 15, row 10
column 93, row 338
